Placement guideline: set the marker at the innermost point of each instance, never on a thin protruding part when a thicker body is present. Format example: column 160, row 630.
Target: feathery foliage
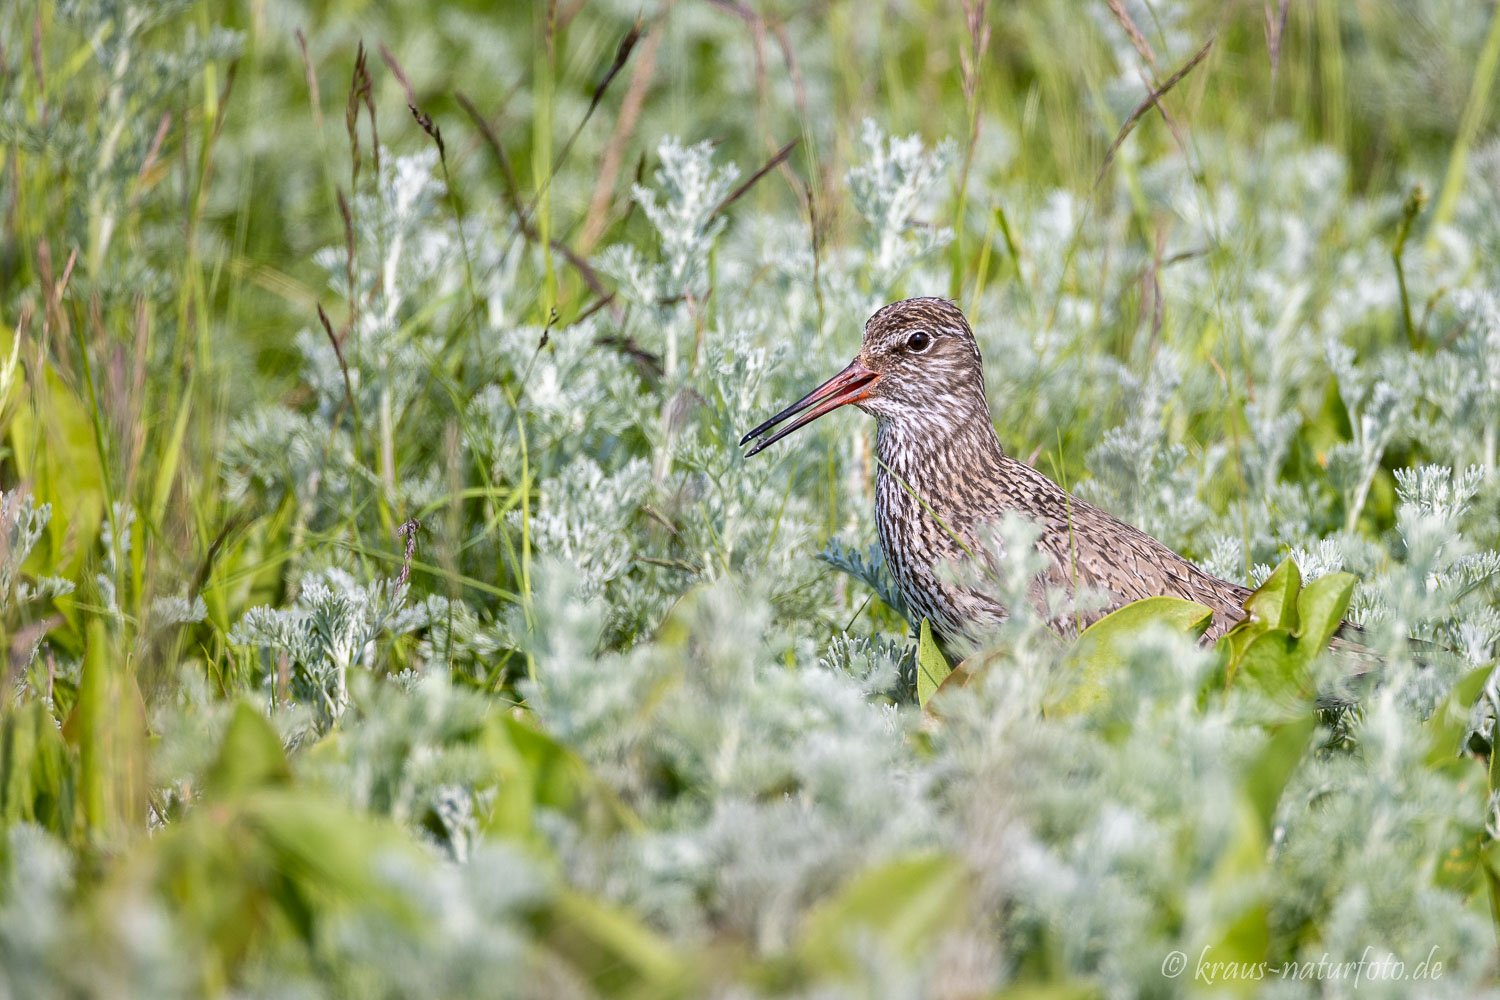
column 391, row 612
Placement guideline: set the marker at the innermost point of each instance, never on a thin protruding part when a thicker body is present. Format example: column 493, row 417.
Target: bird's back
column 931, row 504
column 1091, row 548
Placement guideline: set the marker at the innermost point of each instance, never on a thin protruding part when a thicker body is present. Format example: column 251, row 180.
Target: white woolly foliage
column 604, row 552
column 754, row 712
column 23, row 523
column 890, row 189
column 1434, row 491
column 330, row 629
column 24, row 598
column 692, row 188
column 795, row 771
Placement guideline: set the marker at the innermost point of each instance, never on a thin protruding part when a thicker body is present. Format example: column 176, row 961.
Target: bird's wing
column 1095, row 550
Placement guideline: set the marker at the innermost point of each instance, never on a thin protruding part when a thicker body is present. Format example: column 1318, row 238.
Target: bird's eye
column 919, row 342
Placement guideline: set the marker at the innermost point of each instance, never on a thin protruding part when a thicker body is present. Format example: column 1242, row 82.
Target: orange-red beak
column 848, row 386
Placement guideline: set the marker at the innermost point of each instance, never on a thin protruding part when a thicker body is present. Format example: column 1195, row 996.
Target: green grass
column 619, row 731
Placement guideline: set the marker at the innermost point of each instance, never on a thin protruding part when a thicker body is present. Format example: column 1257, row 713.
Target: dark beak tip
column 842, row 388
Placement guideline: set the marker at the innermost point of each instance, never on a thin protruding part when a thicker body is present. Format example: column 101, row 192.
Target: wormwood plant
column 623, row 714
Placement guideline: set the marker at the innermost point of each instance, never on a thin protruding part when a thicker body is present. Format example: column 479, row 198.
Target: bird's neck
column 935, row 458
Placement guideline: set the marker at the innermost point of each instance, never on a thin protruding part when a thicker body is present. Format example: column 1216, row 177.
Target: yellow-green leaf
column 250, row 756
column 1275, row 601
column 1320, row 608
column 902, row 904
column 617, row 950
column 108, row 726
column 932, row 665
column 1271, row 769
column 1103, row 648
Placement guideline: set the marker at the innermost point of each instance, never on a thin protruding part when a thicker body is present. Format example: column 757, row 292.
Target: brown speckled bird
column 942, row 474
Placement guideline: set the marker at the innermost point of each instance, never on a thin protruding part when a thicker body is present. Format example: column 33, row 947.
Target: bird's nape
column 851, row 385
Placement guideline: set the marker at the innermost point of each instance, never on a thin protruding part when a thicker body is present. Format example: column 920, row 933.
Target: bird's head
column 919, row 363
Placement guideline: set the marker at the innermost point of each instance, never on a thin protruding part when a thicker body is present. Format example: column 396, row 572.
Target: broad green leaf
column 1285, row 632
column 250, row 756
column 1273, row 605
column 1447, row 726
column 1269, row 661
column 534, row 772
column 932, row 666
column 1274, row 665
column 1244, row 942
column 1275, row 601
column 321, row 843
column 1103, row 649
column 1240, row 930
column 1321, row 608
column 616, row 950
column 52, row 443
column 1460, row 858
column 966, row 670
column 903, row 904
column 37, row 778
column 108, row 726
column 245, row 869
column 1269, row 772
column 1232, row 644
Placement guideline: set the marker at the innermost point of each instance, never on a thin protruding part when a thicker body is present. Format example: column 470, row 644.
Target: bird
column 942, row 474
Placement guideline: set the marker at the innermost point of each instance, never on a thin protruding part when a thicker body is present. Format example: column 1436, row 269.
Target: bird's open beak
column 848, row 386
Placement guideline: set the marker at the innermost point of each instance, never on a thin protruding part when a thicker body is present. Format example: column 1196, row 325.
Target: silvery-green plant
column 755, row 785
column 747, row 709
column 23, row 523
column 791, row 772
column 866, row 565
column 686, row 218
column 891, row 189
column 330, row 630
column 23, row 598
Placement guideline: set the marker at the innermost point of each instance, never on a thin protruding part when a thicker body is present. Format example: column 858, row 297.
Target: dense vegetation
column 389, row 610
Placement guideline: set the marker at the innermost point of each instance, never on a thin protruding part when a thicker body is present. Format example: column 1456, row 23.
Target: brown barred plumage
column 942, row 474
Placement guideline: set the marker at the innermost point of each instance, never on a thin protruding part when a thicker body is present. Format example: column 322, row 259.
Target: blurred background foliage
column 388, row 610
